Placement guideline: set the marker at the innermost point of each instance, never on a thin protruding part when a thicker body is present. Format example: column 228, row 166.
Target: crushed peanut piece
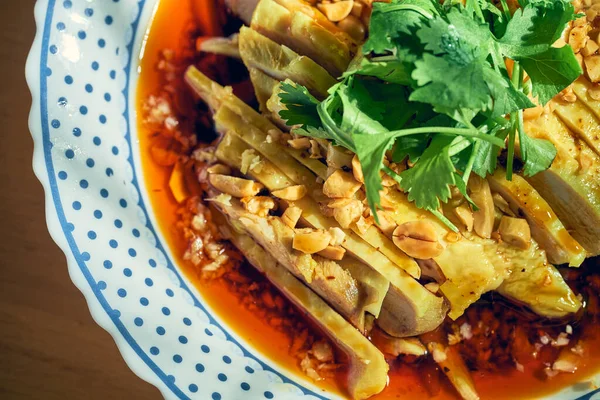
column 291, row 193
column 259, row 205
column 310, row 241
column 291, row 216
column 237, row 187
column 340, row 184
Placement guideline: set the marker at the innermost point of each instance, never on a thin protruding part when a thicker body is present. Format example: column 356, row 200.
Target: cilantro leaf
column 456, row 34
column 395, row 20
column 538, row 154
column 507, row 99
column 434, row 167
column 448, row 85
column 411, row 147
column 551, row 71
column 393, row 71
column 301, row 106
column 534, row 28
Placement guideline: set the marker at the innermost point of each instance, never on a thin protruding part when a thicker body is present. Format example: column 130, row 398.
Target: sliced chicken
column 546, row 228
column 408, row 308
column 326, row 277
column 367, row 368
column 571, row 185
column 281, row 62
column 302, row 34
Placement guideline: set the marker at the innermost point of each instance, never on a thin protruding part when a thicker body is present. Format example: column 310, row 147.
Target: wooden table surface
column 50, row 348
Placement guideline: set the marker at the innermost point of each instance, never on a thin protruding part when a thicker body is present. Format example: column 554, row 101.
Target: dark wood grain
column 50, row 348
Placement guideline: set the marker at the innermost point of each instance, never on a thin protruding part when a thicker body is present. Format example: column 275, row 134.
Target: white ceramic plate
column 82, row 73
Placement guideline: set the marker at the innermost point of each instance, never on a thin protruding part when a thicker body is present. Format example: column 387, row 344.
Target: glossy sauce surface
column 171, row 29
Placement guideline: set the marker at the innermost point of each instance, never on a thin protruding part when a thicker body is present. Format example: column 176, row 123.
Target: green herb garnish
column 431, row 84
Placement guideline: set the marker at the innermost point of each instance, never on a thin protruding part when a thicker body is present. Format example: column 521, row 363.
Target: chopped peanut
column 315, row 149
column 336, row 11
column 337, row 203
column 291, row 216
column 291, row 193
column 386, row 223
column 237, row 187
column 340, row 184
column 222, row 198
column 333, row 252
column 417, row 239
column 592, row 67
column 515, row 231
column 357, row 170
column 501, row 204
column 465, row 216
column 337, row 236
column 578, row 37
column 259, row 205
column 348, row 214
column 590, row 48
column 302, row 143
column 483, row 219
column 338, row 157
column 249, row 160
column 310, row 241
column 363, row 224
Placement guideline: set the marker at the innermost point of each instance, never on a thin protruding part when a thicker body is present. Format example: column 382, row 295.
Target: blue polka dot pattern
column 222, row 377
column 177, row 358
column 160, row 330
column 193, row 388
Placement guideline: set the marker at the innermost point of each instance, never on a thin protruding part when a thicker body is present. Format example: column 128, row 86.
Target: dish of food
column 347, row 199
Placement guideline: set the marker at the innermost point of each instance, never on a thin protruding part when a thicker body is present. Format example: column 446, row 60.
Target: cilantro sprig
column 431, row 84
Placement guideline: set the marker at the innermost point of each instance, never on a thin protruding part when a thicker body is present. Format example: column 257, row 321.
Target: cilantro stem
column 505, row 9
column 392, row 174
column 331, row 127
column 465, row 132
column 517, row 81
column 470, row 163
column 458, row 146
column 477, row 9
column 444, row 220
column 400, row 7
